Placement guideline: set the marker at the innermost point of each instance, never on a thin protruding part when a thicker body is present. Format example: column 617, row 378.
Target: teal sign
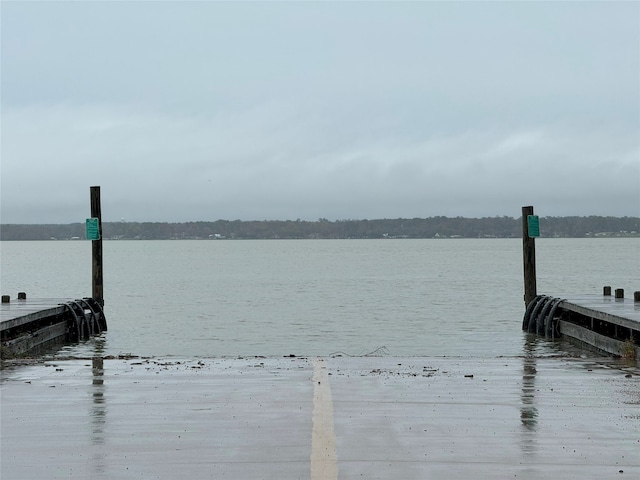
column 533, row 225
column 92, row 227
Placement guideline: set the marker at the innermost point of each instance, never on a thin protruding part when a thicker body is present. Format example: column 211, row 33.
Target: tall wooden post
column 96, row 249
column 529, row 258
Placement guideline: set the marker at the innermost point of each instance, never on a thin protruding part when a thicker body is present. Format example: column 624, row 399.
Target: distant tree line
column 433, row 227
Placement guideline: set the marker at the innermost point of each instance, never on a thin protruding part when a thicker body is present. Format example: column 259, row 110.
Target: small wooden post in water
column 529, row 258
column 96, row 249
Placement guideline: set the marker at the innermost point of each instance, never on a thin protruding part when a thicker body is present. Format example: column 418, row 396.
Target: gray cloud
column 200, row 111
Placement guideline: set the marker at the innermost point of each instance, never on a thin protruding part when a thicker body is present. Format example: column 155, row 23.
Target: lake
column 401, row 297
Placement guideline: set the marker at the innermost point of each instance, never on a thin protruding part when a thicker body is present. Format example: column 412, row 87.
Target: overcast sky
column 186, row 111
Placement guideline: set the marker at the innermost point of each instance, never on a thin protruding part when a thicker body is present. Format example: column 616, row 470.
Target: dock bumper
column 36, row 330
column 85, row 319
column 541, row 316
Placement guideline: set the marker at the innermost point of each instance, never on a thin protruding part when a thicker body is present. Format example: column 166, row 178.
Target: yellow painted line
column 324, row 462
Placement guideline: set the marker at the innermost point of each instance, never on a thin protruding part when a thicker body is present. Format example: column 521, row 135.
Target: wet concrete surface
column 253, row 418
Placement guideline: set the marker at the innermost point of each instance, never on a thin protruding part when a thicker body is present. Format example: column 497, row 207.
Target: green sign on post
column 533, row 225
column 92, row 227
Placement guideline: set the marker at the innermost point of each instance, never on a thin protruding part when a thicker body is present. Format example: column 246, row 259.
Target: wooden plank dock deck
column 624, row 311
column 30, row 325
column 604, row 322
column 22, row 312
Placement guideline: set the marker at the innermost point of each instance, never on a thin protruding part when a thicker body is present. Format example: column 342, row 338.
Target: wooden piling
column 529, row 258
column 606, row 291
column 619, row 293
column 96, row 248
column 636, row 296
column 22, row 296
column 6, row 299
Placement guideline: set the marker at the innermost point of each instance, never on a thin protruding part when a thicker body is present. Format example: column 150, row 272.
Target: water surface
column 316, row 297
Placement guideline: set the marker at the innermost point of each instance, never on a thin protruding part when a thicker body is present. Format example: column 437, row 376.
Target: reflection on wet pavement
column 530, row 417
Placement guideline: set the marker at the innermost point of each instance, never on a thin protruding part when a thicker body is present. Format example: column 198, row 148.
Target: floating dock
column 607, row 323
column 33, row 325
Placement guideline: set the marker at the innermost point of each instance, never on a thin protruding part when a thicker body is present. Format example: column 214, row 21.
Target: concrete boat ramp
column 321, row 418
